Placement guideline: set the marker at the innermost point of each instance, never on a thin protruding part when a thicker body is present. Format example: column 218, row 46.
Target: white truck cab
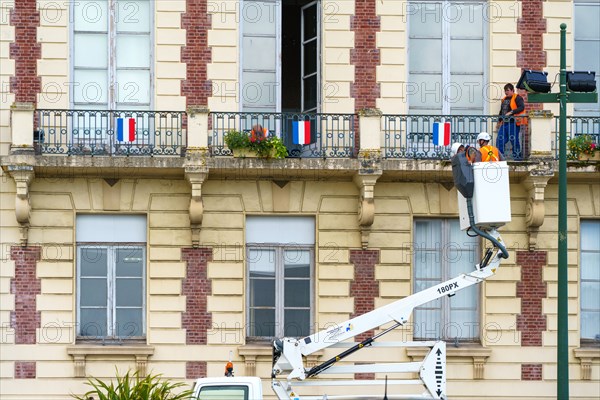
column 239, row 388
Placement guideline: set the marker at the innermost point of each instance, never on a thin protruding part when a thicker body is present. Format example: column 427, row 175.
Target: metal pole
column 562, row 364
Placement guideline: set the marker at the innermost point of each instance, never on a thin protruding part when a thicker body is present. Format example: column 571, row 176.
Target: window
column 280, row 68
column 441, row 252
column 228, row 392
column 111, row 270
column 590, row 281
column 280, row 254
column 111, row 54
column 446, row 57
column 587, row 42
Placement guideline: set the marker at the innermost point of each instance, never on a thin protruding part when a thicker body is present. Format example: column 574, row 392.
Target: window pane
column 466, row 20
column 465, row 56
column 586, row 21
column 133, row 86
column 297, row 323
column 261, row 263
column 297, row 263
column 424, row 91
column 428, row 265
column 130, row 292
column 462, row 325
column 262, row 323
column 590, row 266
column 129, row 322
column 90, row 15
column 310, row 92
column 590, row 325
column 93, row 261
column 262, row 293
column 92, row 292
column 130, row 262
column 92, row 322
column 133, row 51
column 425, row 19
column 133, row 16
column 310, row 22
column 91, row 50
column 426, row 51
column 310, row 57
column 297, row 293
column 91, row 86
column 258, row 17
column 590, row 235
column 590, row 296
column 427, row 324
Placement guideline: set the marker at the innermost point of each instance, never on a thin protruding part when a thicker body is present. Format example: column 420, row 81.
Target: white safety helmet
column 484, row 136
column 455, row 148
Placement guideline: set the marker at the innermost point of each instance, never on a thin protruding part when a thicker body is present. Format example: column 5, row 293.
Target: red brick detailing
column 196, row 287
column 532, row 27
column 531, row 289
column 195, row 369
column 365, row 57
column 24, row 369
column 196, row 53
column 531, row 372
column 364, row 289
column 25, row 286
column 25, row 50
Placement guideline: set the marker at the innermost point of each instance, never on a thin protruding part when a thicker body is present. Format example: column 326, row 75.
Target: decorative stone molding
column 479, row 355
column 196, row 175
column 586, row 358
column 80, row 353
column 251, row 353
column 23, row 175
column 536, row 184
column 366, row 205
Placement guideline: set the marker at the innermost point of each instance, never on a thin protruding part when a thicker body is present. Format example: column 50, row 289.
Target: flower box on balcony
column 243, row 144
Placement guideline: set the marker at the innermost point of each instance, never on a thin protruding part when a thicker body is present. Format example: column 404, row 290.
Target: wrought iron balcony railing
column 577, row 126
column 331, row 135
column 110, row 133
column 411, row 136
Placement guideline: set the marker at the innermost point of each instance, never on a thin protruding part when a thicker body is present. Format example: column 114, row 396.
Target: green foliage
column 134, row 387
column 270, row 147
column 581, row 144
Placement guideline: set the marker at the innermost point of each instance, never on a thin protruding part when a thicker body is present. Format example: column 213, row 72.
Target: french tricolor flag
column 125, row 129
column 441, row 133
column 301, row 132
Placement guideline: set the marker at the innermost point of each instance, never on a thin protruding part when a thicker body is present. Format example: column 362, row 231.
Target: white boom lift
column 288, row 353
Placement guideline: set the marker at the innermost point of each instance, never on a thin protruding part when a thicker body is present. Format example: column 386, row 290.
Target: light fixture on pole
column 534, row 82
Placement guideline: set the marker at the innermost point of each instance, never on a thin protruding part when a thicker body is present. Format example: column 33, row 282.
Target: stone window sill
column 478, row 353
column 80, row 352
column 586, row 356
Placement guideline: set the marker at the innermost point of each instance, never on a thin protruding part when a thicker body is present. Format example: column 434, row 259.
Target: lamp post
column 563, row 97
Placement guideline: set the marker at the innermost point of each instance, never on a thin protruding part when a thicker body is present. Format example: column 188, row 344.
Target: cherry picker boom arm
column 288, row 352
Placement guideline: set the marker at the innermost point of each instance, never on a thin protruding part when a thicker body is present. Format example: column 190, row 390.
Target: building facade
column 133, row 239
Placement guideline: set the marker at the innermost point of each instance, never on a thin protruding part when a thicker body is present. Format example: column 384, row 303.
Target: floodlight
column 581, row 81
column 534, row 82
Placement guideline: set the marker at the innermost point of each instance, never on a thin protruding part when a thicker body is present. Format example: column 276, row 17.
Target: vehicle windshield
column 224, row 392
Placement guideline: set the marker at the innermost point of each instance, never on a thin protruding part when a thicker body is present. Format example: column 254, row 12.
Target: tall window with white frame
column 111, row 54
column 590, row 282
column 446, row 59
column 442, row 251
column 586, row 32
column 280, row 276
column 111, row 271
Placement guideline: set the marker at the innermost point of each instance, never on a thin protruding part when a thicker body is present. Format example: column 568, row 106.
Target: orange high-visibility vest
column 520, row 118
column 489, row 153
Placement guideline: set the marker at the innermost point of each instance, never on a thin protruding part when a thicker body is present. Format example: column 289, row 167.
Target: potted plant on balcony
column 582, row 147
column 248, row 145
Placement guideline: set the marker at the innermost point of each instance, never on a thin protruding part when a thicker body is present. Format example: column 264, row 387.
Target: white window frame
column 583, row 307
column 446, row 59
column 584, row 109
column 111, row 288
column 112, row 62
column 279, row 286
column 445, row 322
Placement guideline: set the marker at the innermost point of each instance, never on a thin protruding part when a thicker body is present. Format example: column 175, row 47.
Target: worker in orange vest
column 487, row 152
column 512, row 119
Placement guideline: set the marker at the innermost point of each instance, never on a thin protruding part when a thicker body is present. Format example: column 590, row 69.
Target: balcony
column 171, row 134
